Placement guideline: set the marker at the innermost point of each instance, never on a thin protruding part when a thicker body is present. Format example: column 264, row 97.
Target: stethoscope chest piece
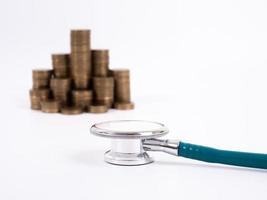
column 127, row 138
column 127, row 152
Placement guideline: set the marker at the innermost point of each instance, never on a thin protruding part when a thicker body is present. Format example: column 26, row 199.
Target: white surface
column 208, row 86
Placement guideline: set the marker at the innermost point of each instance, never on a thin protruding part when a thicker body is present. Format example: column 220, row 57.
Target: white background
column 197, row 66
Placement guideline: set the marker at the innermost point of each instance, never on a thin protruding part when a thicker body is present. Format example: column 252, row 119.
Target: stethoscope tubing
column 213, row 155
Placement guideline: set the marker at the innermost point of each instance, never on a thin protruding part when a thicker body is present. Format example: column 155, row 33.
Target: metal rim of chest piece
column 126, row 140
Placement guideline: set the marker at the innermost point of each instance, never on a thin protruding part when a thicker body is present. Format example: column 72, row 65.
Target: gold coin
column 40, row 83
column 41, row 73
column 81, row 84
column 35, row 106
column 80, row 37
column 120, row 73
column 100, row 55
column 60, row 59
column 103, row 82
column 100, row 69
column 108, row 102
column 42, row 94
column 82, row 93
column 54, row 82
column 61, row 65
column 124, row 106
column 74, row 110
column 80, row 48
column 98, row 109
column 60, row 84
column 50, row 106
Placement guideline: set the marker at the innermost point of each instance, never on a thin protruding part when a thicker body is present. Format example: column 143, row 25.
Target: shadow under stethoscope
column 89, row 158
column 208, row 166
column 95, row 159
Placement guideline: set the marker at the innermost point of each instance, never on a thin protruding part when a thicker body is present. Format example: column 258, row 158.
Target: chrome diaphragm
column 127, row 137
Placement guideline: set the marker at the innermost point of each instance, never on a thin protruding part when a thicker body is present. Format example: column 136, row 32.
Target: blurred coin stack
column 61, row 90
column 40, row 91
column 67, row 88
column 100, row 62
column 80, row 58
column 41, row 78
column 61, row 65
column 122, row 89
column 37, row 96
column 82, row 98
column 50, row 106
column 103, row 91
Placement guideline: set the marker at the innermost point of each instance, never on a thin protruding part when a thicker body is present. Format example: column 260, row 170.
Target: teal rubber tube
column 212, row 155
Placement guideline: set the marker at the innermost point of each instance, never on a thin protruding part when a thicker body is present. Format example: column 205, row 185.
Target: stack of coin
column 71, row 110
column 103, row 90
column 98, row 109
column 80, row 58
column 67, row 88
column 41, row 78
column 122, row 89
column 100, row 62
column 60, row 88
column 60, row 63
column 82, row 98
column 37, row 96
column 50, row 106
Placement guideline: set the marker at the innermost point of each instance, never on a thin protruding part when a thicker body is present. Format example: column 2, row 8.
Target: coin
column 82, row 48
column 40, row 83
column 38, row 95
column 60, row 83
column 82, row 93
column 35, row 103
column 122, row 91
column 118, row 73
column 81, row 83
column 103, row 90
column 74, row 110
column 80, row 64
column 103, row 82
column 98, row 109
column 50, row 106
column 80, row 36
column 62, row 59
column 35, row 106
column 107, row 102
column 100, row 55
column 41, row 73
column 60, row 89
column 43, row 94
column 100, row 69
column 61, row 65
column 124, row 106
column 80, row 79
column 40, row 78
column 82, row 98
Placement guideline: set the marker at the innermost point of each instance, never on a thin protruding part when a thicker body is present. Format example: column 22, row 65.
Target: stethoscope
column 131, row 139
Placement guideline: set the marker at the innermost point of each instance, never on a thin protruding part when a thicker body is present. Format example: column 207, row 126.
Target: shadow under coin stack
column 67, row 88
